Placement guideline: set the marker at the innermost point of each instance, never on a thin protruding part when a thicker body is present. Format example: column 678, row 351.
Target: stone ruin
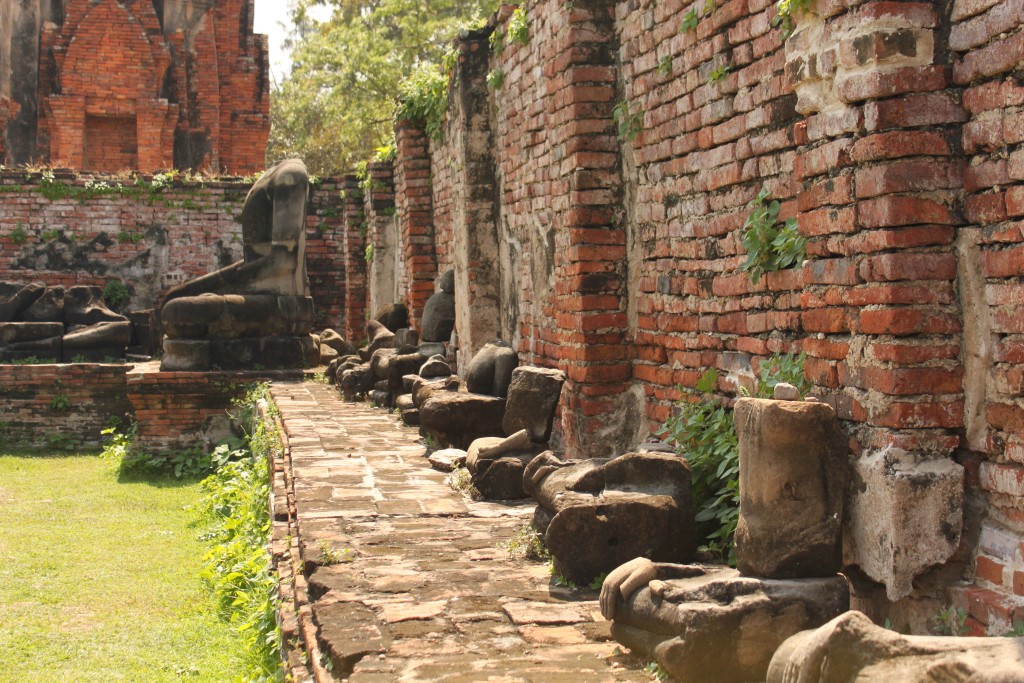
column 59, row 325
column 256, row 313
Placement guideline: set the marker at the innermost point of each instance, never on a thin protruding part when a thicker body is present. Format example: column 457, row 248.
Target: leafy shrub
column 787, row 9
column 116, row 295
column 423, row 98
column 770, row 246
column 496, row 79
column 238, row 567
column 18, row 235
column 703, row 430
column 629, row 124
column 518, row 27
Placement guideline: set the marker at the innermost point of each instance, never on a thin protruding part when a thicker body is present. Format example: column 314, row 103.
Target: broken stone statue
column 257, row 311
column 459, row 418
column 705, row 624
column 793, row 472
column 54, row 324
column 708, row 624
column 851, row 649
column 597, row 514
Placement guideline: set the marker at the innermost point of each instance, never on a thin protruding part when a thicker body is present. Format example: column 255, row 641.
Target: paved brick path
column 425, row 593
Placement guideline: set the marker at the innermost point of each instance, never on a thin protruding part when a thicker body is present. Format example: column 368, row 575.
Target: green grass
column 99, row 578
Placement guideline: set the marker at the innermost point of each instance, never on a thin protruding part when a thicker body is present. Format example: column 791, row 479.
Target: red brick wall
column 415, row 218
column 890, row 131
column 172, row 408
column 354, row 250
column 59, row 406
column 151, row 241
column 986, row 42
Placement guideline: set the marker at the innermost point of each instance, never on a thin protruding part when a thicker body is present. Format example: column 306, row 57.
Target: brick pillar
column 353, row 246
column 476, row 255
column 590, row 243
column 415, row 218
column 986, row 41
column 879, row 205
column 325, row 255
column 382, row 233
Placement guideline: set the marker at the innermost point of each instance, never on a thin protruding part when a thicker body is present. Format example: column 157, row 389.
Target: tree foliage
column 336, row 106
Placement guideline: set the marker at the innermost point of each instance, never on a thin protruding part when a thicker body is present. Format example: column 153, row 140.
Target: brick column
column 415, row 218
column 325, row 257
column 475, row 251
column 879, row 206
column 987, row 40
column 590, row 243
column 354, row 250
column 881, row 179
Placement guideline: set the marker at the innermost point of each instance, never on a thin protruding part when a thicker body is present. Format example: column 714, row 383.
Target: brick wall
column 890, row 131
column 173, row 408
column 985, row 43
column 59, row 406
column 56, row 233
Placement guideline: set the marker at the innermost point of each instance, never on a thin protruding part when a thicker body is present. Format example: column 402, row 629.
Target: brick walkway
column 425, row 592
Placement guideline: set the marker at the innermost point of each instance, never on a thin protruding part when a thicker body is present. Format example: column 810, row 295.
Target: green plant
column 719, row 73
column 18, row 235
column 689, row 23
column 496, row 79
column 779, row 368
column 423, row 98
column 1017, row 632
column 234, row 511
column 709, row 6
column 558, row 579
column 116, row 294
column 320, row 378
column 770, row 246
column 526, row 544
column 60, row 402
column 330, row 556
column 665, row 66
column 629, row 124
column 950, row 621
column 129, row 237
column 60, row 442
column 657, row 671
column 518, row 27
column 787, row 10
column 598, row 581
column 497, row 42
column 703, row 431
column 462, row 481
column 368, row 255
column 49, row 235
column 430, row 442
column 383, row 154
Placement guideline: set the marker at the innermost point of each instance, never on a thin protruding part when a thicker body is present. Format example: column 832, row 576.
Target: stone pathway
column 422, row 592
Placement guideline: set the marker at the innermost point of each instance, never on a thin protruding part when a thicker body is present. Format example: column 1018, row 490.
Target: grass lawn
column 98, row 578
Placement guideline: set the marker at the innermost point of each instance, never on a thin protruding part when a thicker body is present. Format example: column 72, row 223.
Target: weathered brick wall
column 55, row 232
column 418, row 263
column 60, row 406
column 986, row 42
column 705, row 150
column 890, row 131
column 174, row 408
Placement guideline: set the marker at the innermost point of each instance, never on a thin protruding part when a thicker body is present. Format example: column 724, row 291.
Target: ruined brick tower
column 109, row 85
